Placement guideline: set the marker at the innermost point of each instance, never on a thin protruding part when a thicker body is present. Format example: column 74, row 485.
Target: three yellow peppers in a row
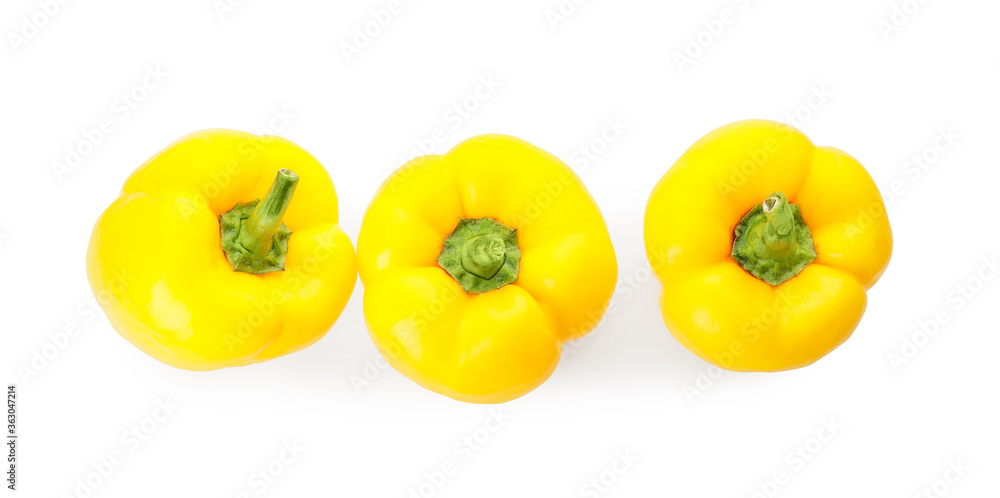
column 224, row 250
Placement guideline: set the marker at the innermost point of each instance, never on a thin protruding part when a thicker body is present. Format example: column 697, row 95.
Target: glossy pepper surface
column 479, row 264
column 765, row 245
column 223, row 250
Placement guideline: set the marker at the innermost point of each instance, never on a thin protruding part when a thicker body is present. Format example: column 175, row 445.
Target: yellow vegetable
column 479, row 264
column 192, row 270
column 765, row 246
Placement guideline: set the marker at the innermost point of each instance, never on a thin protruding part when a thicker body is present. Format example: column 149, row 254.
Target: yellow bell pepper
column 765, row 245
column 194, row 271
column 479, row 264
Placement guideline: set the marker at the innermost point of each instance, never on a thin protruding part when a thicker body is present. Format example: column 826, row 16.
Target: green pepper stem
column 483, row 256
column 257, row 232
column 772, row 241
column 780, row 232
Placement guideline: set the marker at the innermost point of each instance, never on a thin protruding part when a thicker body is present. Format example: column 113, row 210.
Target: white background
column 883, row 95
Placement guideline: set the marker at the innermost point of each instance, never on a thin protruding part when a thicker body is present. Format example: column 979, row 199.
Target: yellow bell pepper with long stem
column 223, row 250
column 765, row 245
column 479, row 264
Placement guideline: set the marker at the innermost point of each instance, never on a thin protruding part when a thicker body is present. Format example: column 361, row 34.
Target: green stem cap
column 481, row 255
column 253, row 237
column 772, row 241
